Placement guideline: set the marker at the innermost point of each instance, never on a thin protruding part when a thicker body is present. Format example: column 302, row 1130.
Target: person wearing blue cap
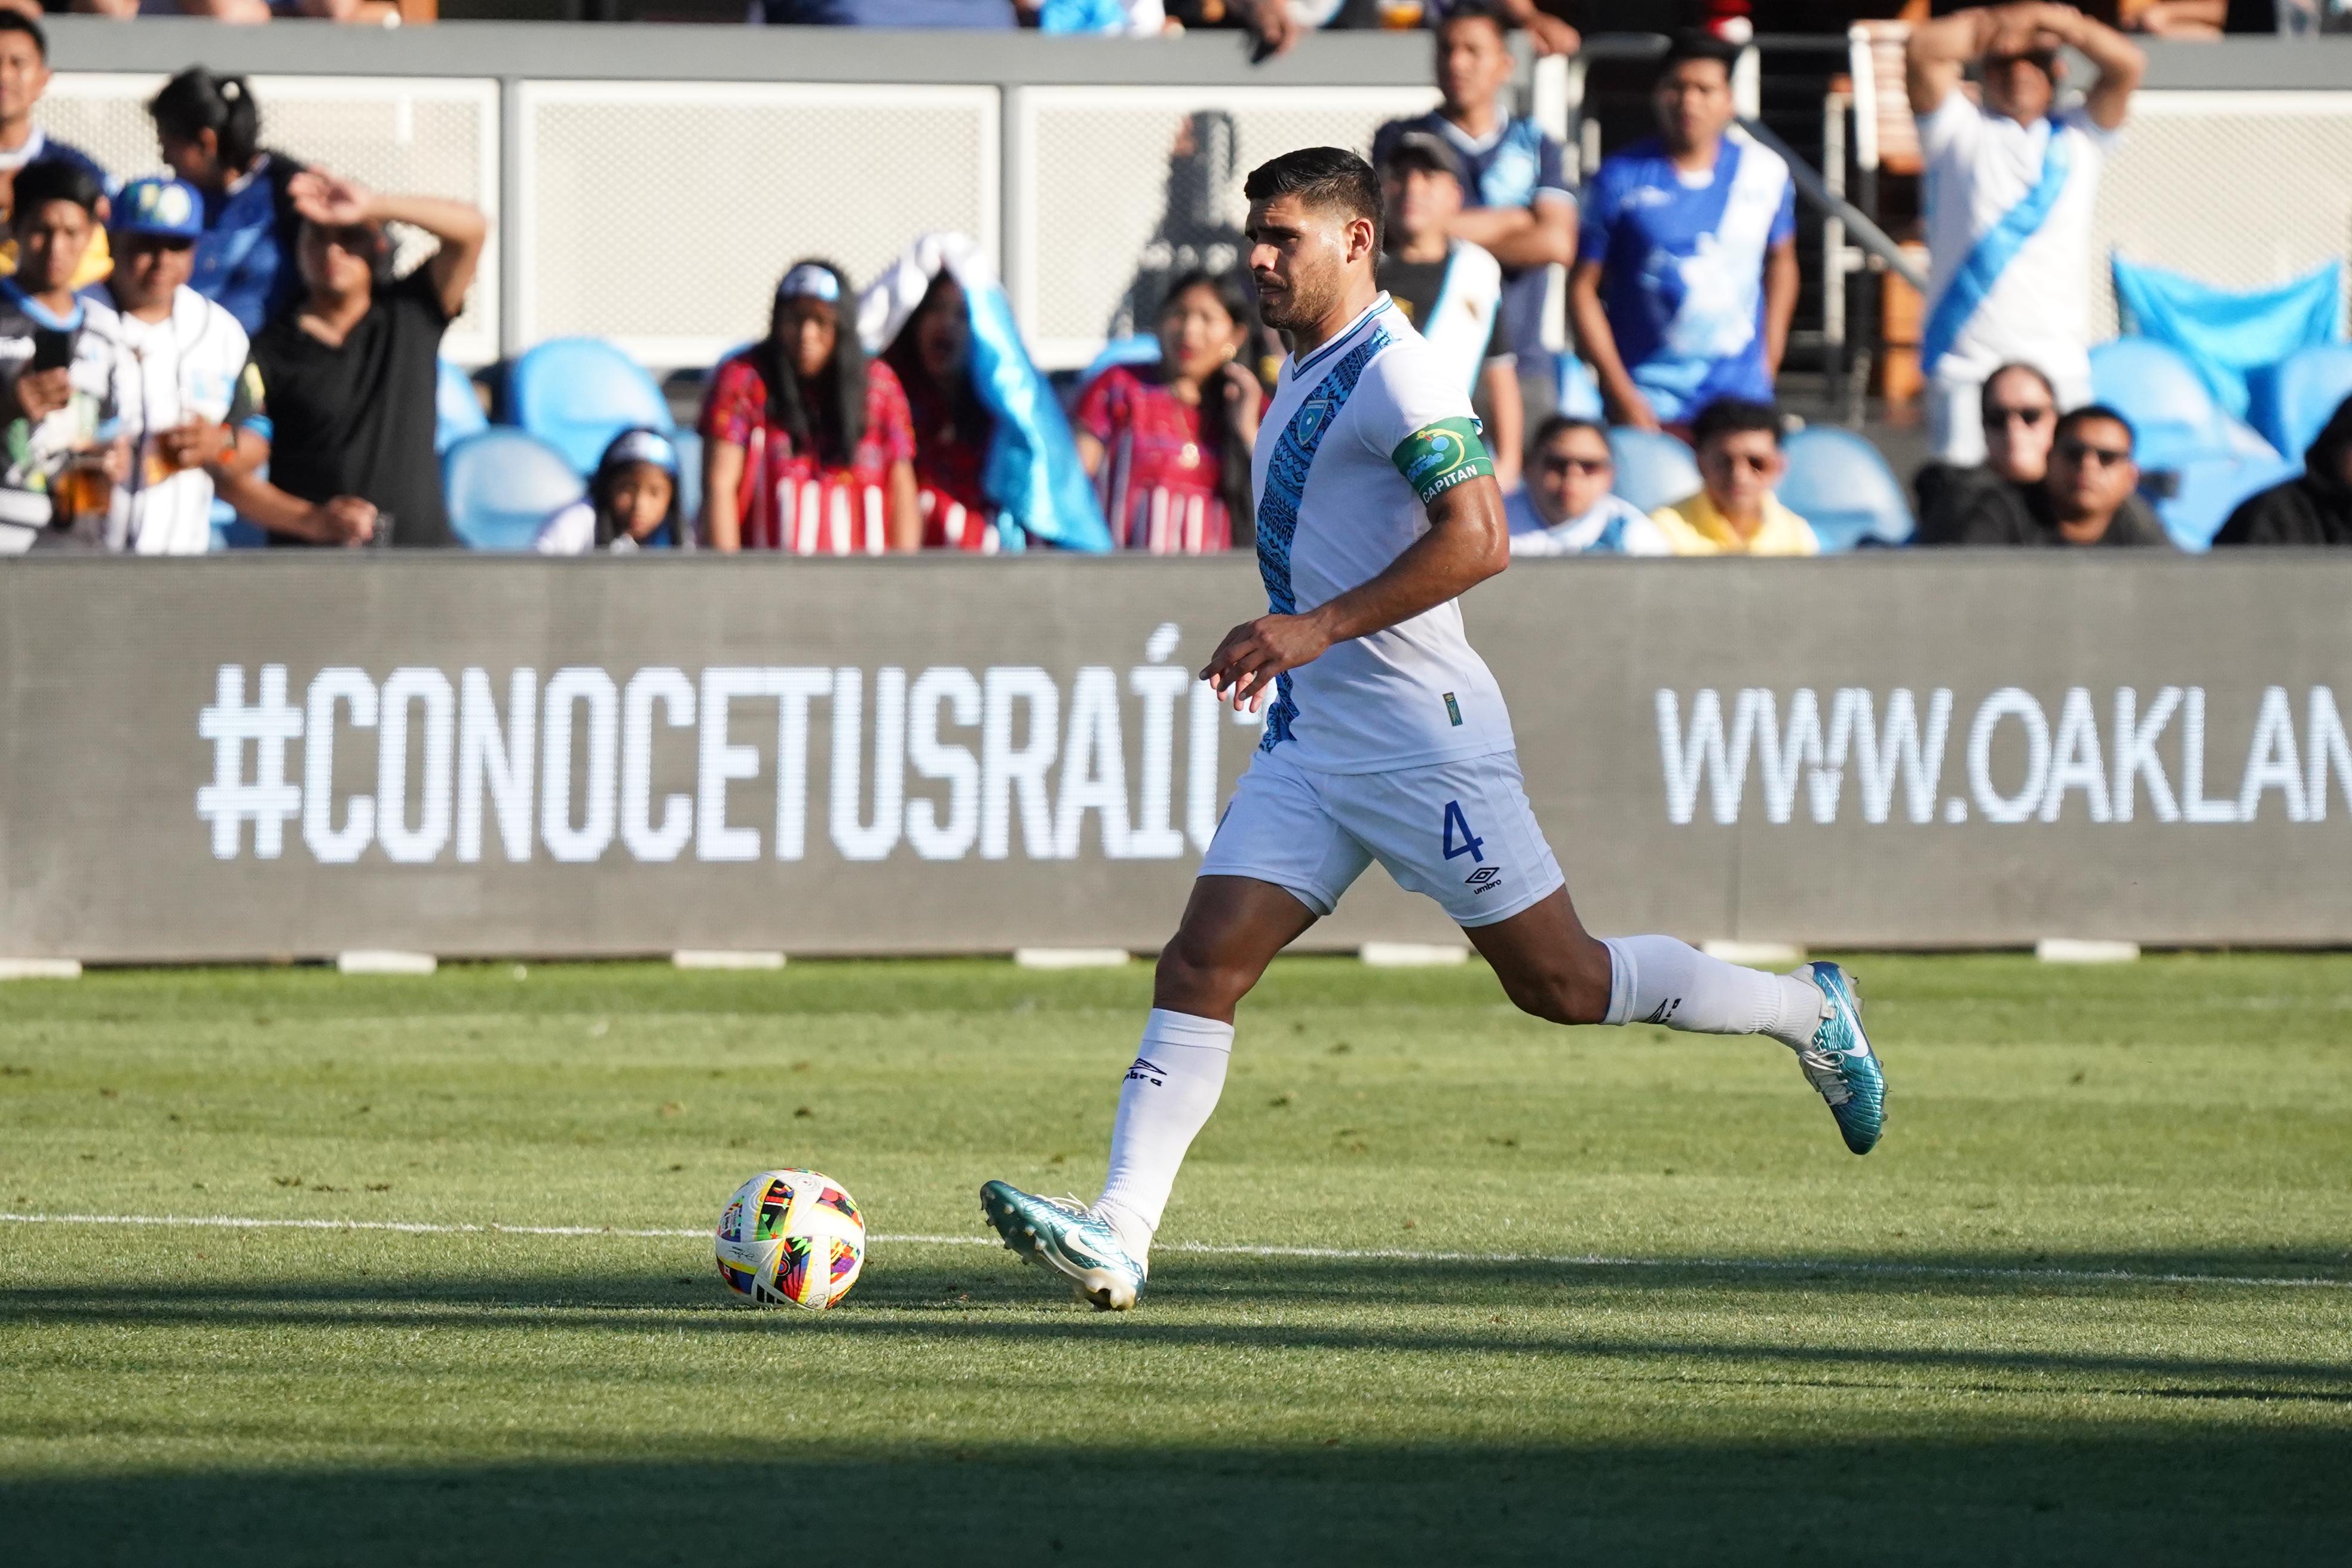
column 187, row 395
column 178, row 374
column 632, row 502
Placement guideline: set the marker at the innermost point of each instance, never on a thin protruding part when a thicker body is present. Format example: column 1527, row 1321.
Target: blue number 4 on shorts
column 1470, row 844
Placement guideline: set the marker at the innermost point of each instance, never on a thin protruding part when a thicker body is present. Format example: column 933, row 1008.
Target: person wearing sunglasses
column 2011, row 185
column 2001, row 501
column 351, row 365
column 1566, row 507
column 1735, row 511
column 2091, row 480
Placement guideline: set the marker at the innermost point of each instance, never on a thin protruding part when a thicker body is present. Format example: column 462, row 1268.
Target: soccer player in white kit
column 1386, row 739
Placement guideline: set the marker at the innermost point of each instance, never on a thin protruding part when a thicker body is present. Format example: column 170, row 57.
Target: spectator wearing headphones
column 808, row 446
column 350, row 370
column 632, row 502
column 209, row 129
column 187, row 398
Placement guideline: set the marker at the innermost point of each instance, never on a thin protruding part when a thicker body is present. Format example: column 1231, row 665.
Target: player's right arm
column 1468, row 541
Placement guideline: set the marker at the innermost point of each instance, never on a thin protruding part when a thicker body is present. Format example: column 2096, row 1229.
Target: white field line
column 1341, row 1254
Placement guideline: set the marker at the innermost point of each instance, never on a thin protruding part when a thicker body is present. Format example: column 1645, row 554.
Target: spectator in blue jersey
column 209, row 129
column 1516, row 200
column 1686, row 274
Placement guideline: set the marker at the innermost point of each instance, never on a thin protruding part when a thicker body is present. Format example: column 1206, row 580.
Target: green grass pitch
column 2032, row 1327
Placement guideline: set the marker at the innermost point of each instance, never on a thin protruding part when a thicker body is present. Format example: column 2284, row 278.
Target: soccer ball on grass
column 792, row 1236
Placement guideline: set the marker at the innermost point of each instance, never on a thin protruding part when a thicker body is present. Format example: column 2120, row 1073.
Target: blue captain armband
column 1437, row 457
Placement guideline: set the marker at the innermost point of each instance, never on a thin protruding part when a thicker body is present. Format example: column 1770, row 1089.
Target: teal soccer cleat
column 1065, row 1238
column 1838, row 1061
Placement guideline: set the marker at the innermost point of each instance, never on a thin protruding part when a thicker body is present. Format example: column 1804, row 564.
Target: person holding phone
column 56, row 366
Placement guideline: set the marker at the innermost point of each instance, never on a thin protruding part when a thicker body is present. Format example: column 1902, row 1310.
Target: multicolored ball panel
column 791, row 1237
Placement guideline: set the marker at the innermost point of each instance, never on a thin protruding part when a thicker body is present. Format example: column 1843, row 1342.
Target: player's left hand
column 1243, row 668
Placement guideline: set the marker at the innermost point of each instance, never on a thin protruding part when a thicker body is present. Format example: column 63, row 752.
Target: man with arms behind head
column 1385, row 739
column 2010, row 186
column 1686, row 269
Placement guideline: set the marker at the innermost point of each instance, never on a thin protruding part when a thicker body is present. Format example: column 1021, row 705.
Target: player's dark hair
column 827, row 417
column 1476, row 10
column 608, row 470
column 968, row 415
column 53, row 180
column 1560, row 424
column 1218, row 431
column 2074, row 419
column 196, row 100
column 1321, row 176
column 17, row 22
column 1691, row 44
column 1734, row 416
column 1984, row 393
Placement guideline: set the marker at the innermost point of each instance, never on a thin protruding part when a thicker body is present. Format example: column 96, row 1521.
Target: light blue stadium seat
column 2296, row 396
column 457, row 412
column 1653, row 468
column 501, row 486
column 2174, row 417
column 1839, row 483
column 2209, row 491
column 1579, row 392
column 577, row 393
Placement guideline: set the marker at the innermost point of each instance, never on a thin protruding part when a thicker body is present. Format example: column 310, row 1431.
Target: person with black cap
column 350, row 370
column 1450, row 290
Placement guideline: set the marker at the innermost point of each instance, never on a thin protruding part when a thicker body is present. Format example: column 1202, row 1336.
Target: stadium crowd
column 233, row 335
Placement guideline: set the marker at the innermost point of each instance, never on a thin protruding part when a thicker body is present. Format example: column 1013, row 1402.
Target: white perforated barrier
column 661, row 215
column 2238, row 189
column 431, row 136
column 1121, row 187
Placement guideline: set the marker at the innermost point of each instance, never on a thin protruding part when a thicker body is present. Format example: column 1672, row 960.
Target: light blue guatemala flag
column 1032, row 470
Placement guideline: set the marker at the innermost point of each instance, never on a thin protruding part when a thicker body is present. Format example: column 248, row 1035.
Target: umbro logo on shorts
column 1149, row 1071
column 1485, row 878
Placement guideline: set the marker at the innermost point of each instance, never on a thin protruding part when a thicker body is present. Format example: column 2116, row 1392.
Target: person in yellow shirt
column 1736, row 512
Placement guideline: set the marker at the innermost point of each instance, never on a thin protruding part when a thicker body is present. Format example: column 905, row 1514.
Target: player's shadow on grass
column 1288, row 1306
column 2092, row 1494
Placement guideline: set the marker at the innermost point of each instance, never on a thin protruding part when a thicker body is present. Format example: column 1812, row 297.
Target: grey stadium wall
column 299, row 754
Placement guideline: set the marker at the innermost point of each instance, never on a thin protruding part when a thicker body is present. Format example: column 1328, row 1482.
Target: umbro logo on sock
column 1149, row 1071
column 1665, row 1011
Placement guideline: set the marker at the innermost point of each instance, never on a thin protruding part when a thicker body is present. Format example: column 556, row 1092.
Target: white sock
column 1178, row 1071
column 1658, row 980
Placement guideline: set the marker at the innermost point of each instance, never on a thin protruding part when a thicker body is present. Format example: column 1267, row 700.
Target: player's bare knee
column 1195, row 976
column 1561, row 993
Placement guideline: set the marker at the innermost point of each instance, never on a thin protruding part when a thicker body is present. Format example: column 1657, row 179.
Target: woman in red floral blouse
column 807, row 446
column 1169, row 445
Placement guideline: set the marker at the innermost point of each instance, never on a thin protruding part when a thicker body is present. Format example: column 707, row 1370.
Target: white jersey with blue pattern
column 1360, row 436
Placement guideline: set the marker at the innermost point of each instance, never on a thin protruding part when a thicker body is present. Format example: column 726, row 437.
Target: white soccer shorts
column 1461, row 831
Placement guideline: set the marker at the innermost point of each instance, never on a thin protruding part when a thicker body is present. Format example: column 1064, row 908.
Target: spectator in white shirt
column 186, row 397
column 632, row 502
column 1567, row 507
column 2010, row 186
